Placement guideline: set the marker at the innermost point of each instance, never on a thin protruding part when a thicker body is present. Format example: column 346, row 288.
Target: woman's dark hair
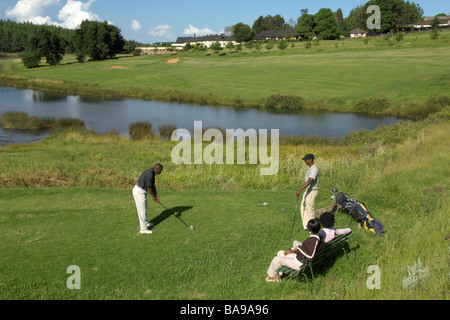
column 327, row 220
column 314, row 225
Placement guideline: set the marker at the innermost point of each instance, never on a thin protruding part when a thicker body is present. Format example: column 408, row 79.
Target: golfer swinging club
column 146, row 184
column 311, row 185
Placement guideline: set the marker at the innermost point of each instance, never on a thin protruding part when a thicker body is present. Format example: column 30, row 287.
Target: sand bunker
column 176, row 60
column 119, row 67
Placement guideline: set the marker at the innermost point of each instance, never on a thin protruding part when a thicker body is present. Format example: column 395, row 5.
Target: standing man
column 311, row 185
column 145, row 185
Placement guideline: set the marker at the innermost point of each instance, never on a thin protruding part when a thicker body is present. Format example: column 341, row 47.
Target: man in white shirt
column 311, row 185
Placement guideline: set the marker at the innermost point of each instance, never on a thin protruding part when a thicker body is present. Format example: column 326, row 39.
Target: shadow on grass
column 322, row 268
column 167, row 213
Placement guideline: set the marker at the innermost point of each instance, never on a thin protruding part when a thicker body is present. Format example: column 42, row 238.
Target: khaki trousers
column 140, row 198
column 281, row 260
column 307, row 206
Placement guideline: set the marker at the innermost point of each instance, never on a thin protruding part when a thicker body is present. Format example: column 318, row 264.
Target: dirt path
column 175, row 60
column 119, row 67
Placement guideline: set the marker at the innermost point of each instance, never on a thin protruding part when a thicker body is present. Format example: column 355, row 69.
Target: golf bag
column 358, row 211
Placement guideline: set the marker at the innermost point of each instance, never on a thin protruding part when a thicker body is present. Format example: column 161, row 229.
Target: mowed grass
column 225, row 257
column 332, row 75
column 45, row 231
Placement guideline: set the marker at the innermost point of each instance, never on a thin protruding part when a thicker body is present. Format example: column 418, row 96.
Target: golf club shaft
column 293, row 221
column 182, row 221
column 163, row 205
column 179, row 218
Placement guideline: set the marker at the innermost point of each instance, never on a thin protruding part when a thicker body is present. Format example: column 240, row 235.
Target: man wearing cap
column 311, row 185
column 145, row 185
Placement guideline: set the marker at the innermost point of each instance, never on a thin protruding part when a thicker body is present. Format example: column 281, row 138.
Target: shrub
column 48, row 122
column 22, row 121
column 19, row 121
column 277, row 102
column 399, row 37
column 31, row 60
column 372, row 105
column 269, row 46
column 436, row 103
column 166, row 130
column 137, row 52
column 140, row 130
column 417, row 275
column 433, row 105
column 282, row 45
column 70, row 123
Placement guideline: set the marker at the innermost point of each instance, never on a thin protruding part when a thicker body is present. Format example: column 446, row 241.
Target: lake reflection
column 104, row 116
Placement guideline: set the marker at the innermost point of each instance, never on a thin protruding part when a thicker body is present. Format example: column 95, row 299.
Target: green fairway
column 225, row 257
column 331, row 76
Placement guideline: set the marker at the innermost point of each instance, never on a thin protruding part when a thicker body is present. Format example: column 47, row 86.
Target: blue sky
column 150, row 21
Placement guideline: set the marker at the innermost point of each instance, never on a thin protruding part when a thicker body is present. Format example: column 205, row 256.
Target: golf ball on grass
column 192, row 227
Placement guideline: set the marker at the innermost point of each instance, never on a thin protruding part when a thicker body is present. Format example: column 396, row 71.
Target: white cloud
column 70, row 16
column 161, row 32
column 136, row 26
column 31, row 10
column 198, row 32
column 74, row 12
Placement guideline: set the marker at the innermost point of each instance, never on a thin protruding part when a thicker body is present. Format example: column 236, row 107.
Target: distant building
column 207, row 41
column 170, row 49
column 285, row 34
column 358, row 33
column 426, row 22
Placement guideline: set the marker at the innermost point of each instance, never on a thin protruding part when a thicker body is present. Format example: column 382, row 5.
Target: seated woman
column 328, row 232
column 292, row 258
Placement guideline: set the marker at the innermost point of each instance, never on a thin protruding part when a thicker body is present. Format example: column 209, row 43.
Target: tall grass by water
column 13, row 120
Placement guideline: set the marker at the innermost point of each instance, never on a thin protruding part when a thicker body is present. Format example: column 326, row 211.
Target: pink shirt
column 328, row 234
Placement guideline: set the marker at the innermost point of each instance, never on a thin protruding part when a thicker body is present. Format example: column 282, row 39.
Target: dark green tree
column 395, row 14
column 269, row 22
column 242, row 32
column 98, row 40
column 357, row 18
column 342, row 25
column 52, row 47
column 276, row 22
column 258, row 25
column 44, row 42
column 326, row 25
column 435, row 23
column 31, row 59
column 306, row 25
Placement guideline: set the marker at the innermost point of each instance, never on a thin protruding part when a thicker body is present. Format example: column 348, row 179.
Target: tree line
column 99, row 40
column 93, row 39
column 329, row 25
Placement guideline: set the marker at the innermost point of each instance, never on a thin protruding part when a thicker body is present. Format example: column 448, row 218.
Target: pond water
column 104, row 116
